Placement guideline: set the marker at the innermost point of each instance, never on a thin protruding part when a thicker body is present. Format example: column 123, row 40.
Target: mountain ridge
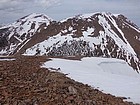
column 100, row 34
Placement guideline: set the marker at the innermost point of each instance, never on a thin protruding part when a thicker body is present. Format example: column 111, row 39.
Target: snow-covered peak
column 29, row 24
column 22, row 30
column 80, row 16
column 90, row 15
column 35, row 17
column 27, row 20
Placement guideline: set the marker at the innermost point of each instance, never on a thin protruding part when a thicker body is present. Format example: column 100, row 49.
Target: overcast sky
column 11, row 10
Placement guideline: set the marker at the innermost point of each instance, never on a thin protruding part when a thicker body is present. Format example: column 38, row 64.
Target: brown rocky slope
column 23, row 82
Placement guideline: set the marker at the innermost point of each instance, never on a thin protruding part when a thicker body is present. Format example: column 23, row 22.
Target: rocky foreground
column 23, row 82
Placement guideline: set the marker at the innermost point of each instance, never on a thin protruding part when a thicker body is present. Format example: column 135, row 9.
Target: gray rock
column 72, row 90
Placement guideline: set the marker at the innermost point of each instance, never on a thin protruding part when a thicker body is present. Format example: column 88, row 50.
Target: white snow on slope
column 108, row 31
column 23, row 25
column 6, row 59
column 113, row 76
column 60, row 39
column 25, row 28
column 132, row 27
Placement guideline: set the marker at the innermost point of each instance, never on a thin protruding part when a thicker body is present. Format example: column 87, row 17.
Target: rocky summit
column 23, row 82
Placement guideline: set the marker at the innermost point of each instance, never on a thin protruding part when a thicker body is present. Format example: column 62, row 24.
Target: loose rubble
column 23, row 82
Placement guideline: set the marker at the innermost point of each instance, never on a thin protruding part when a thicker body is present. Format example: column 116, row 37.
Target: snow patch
column 6, row 59
column 110, row 75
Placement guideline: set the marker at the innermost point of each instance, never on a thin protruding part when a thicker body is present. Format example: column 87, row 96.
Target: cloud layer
column 14, row 5
column 10, row 10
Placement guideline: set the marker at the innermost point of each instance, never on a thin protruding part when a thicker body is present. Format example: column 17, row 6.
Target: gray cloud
column 7, row 4
column 11, row 10
column 13, row 5
column 45, row 3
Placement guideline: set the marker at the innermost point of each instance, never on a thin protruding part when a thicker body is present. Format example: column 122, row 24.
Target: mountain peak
column 35, row 17
column 96, row 13
column 91, row 15
column 21, row 31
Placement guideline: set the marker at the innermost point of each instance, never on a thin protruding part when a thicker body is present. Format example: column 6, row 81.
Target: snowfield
column 109, row 75
column 7, row 59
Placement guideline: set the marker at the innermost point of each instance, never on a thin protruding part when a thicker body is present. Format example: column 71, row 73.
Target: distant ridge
column 95, row 34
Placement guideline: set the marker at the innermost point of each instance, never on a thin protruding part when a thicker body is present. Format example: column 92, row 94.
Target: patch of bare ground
column 68, row 57
column 23, row 82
